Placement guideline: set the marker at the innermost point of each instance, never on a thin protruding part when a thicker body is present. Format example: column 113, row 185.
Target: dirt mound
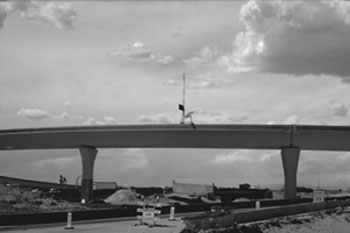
column 123, row 197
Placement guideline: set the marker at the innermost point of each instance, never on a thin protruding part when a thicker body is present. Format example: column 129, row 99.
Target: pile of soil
column 331, row 220
column 123, row 197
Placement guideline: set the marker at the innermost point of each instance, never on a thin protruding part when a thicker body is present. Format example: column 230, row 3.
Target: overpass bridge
column 290, row 139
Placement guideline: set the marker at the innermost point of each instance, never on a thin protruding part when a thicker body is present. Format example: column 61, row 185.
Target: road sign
column 148, row 216
column 318, row 196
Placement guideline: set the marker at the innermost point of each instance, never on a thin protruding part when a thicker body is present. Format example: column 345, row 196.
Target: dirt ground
column 320, row 222
column 327, row 221
column 13, row 199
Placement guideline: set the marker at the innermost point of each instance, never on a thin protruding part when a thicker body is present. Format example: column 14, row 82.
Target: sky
column 79, row 63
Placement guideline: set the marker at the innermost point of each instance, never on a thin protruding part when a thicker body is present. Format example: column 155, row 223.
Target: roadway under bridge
column 290, row 139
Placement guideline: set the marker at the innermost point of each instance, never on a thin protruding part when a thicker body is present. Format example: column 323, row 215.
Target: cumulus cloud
column 65, row 116
column 134, row 158
column 271, row 123
column 324, row 168
column 204, row 56
column 339, row 109
column 171, row 82
column 238, row 119
column 179, row 32
column 67, row 104
column 201, row 81
column 232, row 156
column 290, row 120
column 110, row 120
column 33, row 113
column 39, row 114
column 107, row 120
column 269, row 155
column 3, row 14
column 93, row 121
column 138, row 52
column 246, row 156
column 54, row 163
column 208, row 117
column 58, row 14
column 13, row 5
column 293, row 119
column 166, row 60
column 293, row 37
column 158, row 118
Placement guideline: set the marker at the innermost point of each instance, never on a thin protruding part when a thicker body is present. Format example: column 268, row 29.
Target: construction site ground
column 334, row 220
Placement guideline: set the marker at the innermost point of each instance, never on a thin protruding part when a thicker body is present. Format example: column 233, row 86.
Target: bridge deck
column 307, row 137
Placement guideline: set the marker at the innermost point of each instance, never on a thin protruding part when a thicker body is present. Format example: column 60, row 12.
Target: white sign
column 149, row 215
column 318, row 196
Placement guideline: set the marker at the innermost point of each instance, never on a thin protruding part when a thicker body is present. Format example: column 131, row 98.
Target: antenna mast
column 183, row 95
column 182, row 106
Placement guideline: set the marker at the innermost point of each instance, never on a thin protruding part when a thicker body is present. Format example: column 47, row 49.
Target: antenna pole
column 182, row 106
column 183, row 96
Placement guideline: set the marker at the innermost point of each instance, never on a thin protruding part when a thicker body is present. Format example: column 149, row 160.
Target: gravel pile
column 123, row 197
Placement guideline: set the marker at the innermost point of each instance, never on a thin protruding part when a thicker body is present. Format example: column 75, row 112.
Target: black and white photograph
column 175, row 116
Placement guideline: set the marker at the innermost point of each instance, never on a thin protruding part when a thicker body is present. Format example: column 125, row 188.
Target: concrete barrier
column 228, row 219
column 38, row 218
column 263, row 214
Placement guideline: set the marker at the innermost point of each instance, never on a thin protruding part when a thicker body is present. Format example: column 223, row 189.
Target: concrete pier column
column 290, row 160
column 88, row 155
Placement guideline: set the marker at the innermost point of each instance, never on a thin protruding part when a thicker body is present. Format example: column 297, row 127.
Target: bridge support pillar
column 290, row 159
column 88, row 155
